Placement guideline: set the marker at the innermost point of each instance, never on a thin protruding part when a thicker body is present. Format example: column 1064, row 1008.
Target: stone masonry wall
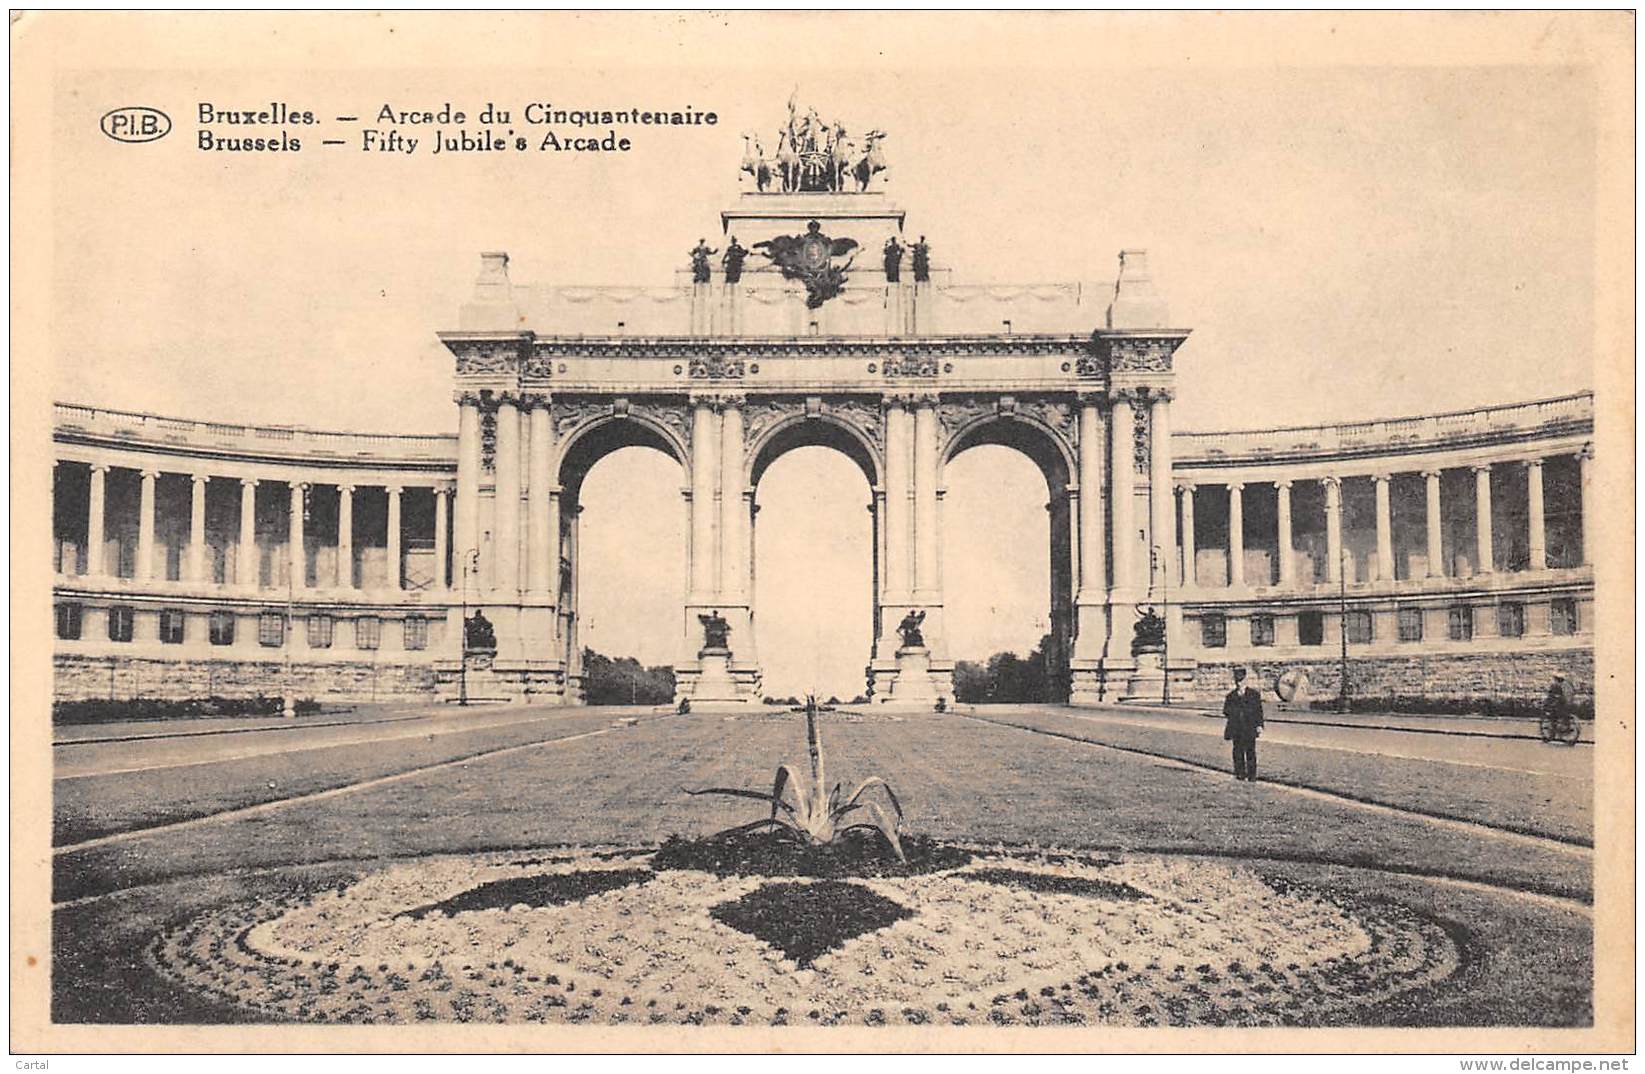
column 79, row 677
column 1521, row 676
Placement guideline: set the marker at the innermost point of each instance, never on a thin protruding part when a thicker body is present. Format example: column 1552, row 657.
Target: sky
column 1346, row 238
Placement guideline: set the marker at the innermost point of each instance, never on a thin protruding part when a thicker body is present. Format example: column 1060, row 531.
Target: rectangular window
column 416, row 632
column 1561, row 617
column 368, row 632
column 320, row 629
column 1410, row 624
column 222, row 628
column 120, row 619
column 1358, row 625
column 1510, row 619
column 1262, row 630
column 271, row 629
column 1213, row 631
column 1462, row 623
column 1311, row 628
column 172, row 626
column 68, row 622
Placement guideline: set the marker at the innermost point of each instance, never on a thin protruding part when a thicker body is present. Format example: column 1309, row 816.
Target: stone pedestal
column 1146, row 683
column 714, row 687
column 487, row 679
column 913, row 686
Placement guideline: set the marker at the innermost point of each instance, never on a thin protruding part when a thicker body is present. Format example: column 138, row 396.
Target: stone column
column 1482, row 519
column 294, row 539
column 94, row 521
column 1385, row 529
column 145, row 527
column 1236, row 535
column 466, row 524
column 898, row 486
column 1537, row 537
column 505, row 578
column 1190, row 547
column 1436, row 524
column 542, row 560
column 442, row 547
column 345, row 536
column 927, row 566
column 1162, row 504
column 245, row 553
column 1333, row 529
column 704, row 473
column 733, row 537
column 197, row 528
column 1585, row 466
column 396, row 576
column 1287, row 553
column 1092, row 540
column 1122, row 434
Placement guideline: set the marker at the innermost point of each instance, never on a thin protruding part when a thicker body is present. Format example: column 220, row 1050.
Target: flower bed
column 1006, row 938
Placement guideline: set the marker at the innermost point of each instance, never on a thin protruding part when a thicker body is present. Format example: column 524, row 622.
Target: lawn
column 957, row 779
column 1549, row 806
column 91, row 806
column 983, row 784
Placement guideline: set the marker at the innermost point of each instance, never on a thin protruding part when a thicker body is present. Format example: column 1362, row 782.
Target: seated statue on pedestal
column 716, row 631
column 909, row 630
column 1148, row 636
column 478, row 634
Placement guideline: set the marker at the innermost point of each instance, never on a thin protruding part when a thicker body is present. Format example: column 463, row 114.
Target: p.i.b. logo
column 135, row 123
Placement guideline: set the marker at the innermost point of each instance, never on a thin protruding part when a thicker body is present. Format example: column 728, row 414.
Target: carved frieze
column 674, row 415
column 1058, row 414
column 489, row 356
column 761, row 414
column 1140, row 435
column 955, row 414
column 717, row 368
column 860, row 413
column 488, row 438
column 570, row 413
column 910, row 365
column 1129, row 354
column 537, row 365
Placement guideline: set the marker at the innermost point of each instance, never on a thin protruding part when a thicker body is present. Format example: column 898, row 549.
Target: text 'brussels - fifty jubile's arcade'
column 195, row 558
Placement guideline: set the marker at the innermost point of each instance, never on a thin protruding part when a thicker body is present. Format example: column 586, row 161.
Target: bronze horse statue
column 873, row 160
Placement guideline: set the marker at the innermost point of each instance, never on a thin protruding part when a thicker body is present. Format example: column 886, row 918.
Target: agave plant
column 812, row 812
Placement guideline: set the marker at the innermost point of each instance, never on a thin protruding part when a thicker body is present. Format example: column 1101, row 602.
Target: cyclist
column 1556, row 707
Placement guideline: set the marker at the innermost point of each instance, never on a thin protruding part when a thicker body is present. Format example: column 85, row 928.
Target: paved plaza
column 1460, row 864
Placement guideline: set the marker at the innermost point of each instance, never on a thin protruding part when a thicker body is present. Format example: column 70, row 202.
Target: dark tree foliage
column 1005, row 679
column 624, row 682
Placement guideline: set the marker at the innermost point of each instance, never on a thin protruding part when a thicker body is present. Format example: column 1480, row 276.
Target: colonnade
column 1484, row 537
column 246, row 574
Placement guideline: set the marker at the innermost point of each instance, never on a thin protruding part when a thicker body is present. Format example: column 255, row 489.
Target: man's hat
column 1239, row 673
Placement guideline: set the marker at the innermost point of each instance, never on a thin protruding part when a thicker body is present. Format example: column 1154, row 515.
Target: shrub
column 112, row 710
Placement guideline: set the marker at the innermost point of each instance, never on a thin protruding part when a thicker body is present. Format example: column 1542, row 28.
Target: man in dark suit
column 1243, row 710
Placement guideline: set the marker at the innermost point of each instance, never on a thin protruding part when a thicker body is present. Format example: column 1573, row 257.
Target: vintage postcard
column 804, row 532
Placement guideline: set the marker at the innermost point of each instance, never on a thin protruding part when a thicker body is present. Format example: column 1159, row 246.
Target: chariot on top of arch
column 813, row 156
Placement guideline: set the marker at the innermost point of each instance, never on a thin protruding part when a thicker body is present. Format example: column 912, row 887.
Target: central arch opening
column 813, row 566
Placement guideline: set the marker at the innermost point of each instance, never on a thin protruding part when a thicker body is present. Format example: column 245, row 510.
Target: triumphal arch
column 812, row 315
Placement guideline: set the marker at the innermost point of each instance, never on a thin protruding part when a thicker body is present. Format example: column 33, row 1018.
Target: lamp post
column 1342, row 623
column 1155, row 569
column 288, row 709
column 471, row 563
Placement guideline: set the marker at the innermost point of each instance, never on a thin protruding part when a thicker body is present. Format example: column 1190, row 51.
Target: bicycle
column 1560, row 728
